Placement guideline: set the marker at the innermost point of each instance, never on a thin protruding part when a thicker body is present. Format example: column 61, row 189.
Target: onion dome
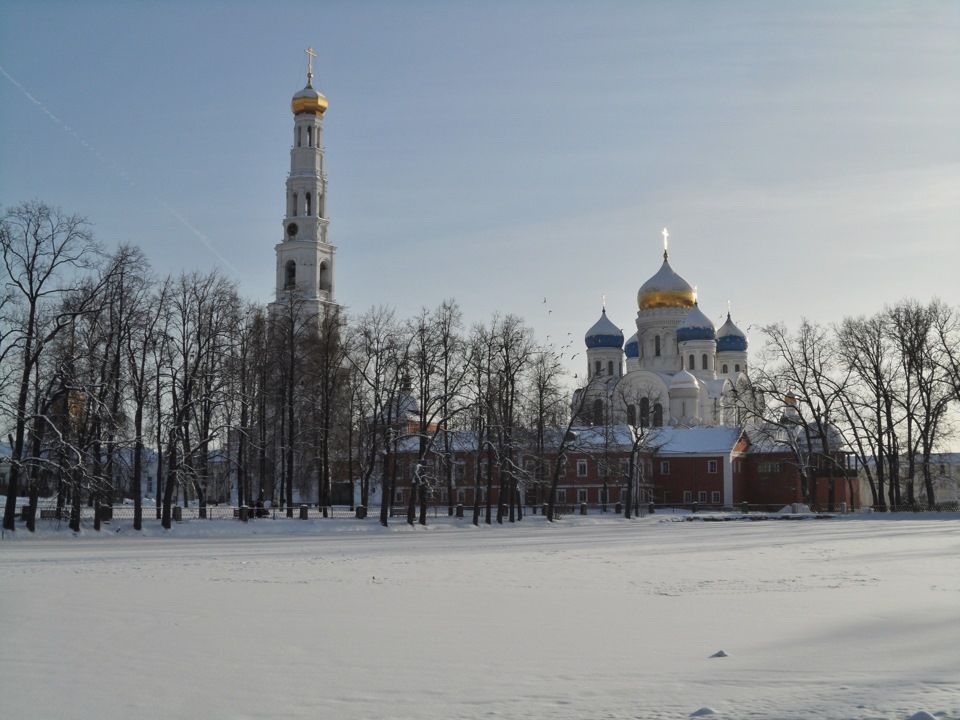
column 696, row 326
column 632, row 348
column 309, row 100
column 666, row 289
column 730, row 338
column 604, row 334
column 683, row 379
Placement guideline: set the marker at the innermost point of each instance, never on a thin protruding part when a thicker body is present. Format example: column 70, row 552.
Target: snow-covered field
column 855, row 617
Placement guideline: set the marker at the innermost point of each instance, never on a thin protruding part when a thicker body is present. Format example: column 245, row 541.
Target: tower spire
column 665, row 236
column 310, row 56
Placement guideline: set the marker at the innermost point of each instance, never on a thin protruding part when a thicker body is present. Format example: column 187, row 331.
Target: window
column 581, row 468
column 563, row 468
column 294, row 208
column 309, row 137
column 691, row 365
column 596, row 368
column 398, row 495
column 725, row 371
column 149, row 482
column 290, row 275
column 582, row 495
column 632, row 415
column 299, row 136
column 624, row 467
column 561, row 496
column 461, row 496
column 602, row 469
column 664, row 467
column 603, row 497
column 715, row 497
column 658, row 415
column 610, row 368
column 702, row 496
column 644, row 412
column 325, row 283
column 736, row 368
column 309, row 211
column 687, row 496
column 598, row 412
column 703, row 362
column 656, row 345
column 712, row 467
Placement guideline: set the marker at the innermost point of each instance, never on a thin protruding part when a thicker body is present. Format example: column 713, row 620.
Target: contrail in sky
column 117, row 169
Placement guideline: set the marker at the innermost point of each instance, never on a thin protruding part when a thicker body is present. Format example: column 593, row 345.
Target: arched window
column 596, row 368
column 295, row 199
column 321, row 210
column 703, row 362
column 644, row 412
column 691, row 365
column 736, row 368
column 610, row 368
column 299, row 135
column 598, row 412
column 290, row 275
column 725, row 369
column 325, row 284
column 309, row 210
column 310, row 137
column 658, row 415
column 632, row 415
column 656, row 346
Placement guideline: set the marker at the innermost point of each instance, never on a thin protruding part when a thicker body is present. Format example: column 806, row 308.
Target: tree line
column 884, row 388
column 107, row 368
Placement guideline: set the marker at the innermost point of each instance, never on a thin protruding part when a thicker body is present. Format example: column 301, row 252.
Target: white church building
column 677, row 370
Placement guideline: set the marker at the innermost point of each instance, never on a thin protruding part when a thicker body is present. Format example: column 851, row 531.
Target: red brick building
column 715, row 467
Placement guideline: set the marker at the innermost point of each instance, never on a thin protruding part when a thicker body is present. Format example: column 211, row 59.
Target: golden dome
column 666, row 289
column 308, row 100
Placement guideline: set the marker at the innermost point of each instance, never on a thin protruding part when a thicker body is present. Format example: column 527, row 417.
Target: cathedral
column 677, row 370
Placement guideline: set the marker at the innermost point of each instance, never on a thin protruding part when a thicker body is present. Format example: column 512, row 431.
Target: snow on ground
column 854, row 618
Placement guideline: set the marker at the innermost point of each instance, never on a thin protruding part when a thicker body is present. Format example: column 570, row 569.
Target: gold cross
column 665, row 236
column 311, row 55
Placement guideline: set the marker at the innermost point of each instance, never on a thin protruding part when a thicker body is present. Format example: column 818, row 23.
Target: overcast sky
column 805, row 156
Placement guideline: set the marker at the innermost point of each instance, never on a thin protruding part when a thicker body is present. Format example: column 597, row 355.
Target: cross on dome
column 310, row 56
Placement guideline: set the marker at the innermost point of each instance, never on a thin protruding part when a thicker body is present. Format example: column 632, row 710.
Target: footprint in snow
column 703, row 712
column 720, row 653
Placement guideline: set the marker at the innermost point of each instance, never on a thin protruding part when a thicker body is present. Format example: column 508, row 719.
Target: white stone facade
column 305, row 258
column 680, row 370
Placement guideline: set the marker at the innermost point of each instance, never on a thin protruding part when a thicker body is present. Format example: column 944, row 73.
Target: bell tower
column 305, row 259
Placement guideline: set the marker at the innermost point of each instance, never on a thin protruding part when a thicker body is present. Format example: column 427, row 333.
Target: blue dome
column 632, row 348
column 730, row 338
column 696, row 326
column 604, row 334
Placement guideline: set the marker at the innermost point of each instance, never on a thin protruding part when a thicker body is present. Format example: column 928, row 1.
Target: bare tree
column 804, row 368
column 45, row 255
column 928, row 387
column 378, row 355
column 438, row 370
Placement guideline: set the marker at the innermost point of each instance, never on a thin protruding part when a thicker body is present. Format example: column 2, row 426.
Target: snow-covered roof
column 700, row 440
column 604, row 334
column 696, row 326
